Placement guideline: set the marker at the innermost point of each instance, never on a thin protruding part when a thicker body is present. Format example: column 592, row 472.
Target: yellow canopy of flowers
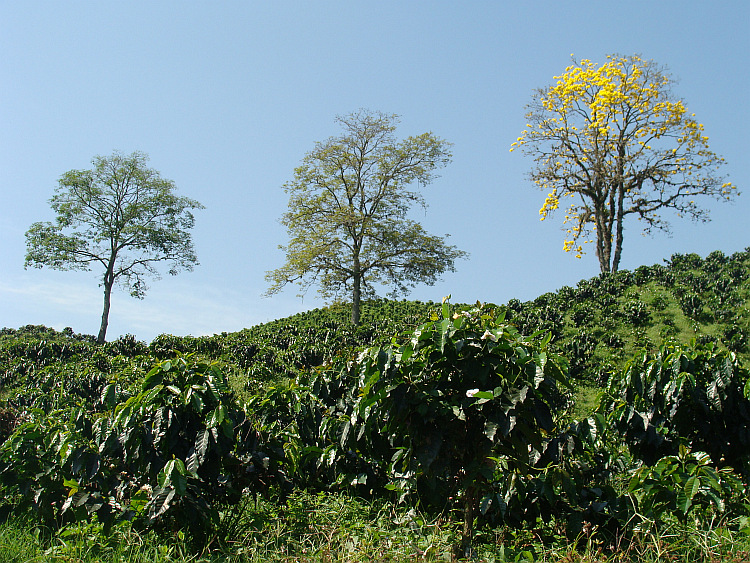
column 615, row 128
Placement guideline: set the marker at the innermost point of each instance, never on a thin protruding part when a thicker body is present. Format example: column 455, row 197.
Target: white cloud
column 173, row 305
column 182, row 308
column 70, row 296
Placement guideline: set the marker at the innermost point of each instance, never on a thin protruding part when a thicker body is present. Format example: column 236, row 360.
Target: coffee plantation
column 600, row 417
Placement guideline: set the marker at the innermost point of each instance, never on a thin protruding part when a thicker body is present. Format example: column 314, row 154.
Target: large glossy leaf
column 216, row 417
column 174, row 474
column 197, row 454
column 161, row 502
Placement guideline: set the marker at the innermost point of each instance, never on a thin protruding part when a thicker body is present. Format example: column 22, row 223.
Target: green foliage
column 462, row 397
column 635, row 313
column 605, row 320
column 171, row 452
column 685, row 485
column 348, row 223
column 462, row 416
column 592, row 324
column 120, row 215
column 683, row 395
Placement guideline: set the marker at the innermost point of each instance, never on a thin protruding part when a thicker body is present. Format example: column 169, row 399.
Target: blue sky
column 227, row 97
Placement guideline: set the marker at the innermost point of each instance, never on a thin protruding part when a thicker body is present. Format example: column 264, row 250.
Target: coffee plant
column 685, row 485
column 172, row 453
column 462, row 399
column 461, row 415
column 697, row 395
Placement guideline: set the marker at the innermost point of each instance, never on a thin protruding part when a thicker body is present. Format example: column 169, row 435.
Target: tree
column 612, row 141
column 121, row 216
column 347, row 218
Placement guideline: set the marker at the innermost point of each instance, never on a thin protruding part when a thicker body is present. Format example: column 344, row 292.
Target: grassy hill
column 78, row 419
column 597, row 325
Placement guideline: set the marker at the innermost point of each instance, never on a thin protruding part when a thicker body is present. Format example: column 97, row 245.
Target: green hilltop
column 613, row 413
column 597, row 325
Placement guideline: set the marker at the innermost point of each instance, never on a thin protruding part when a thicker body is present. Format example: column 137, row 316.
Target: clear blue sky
column 227, row 97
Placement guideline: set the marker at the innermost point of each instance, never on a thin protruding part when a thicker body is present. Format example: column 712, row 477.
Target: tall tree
column 612, row 141
column 121, row 216
column 347, row 218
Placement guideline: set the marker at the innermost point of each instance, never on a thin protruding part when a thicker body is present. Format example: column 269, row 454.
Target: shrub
column 695, row 395
column 171, row 453
column 635, row 313
column 463, row 396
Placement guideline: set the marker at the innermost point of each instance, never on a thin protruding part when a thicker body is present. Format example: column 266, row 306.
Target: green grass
column 338, row 528
column 585, row 400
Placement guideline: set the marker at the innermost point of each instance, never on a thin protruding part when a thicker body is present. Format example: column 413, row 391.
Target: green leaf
column 490, row 429
column 227, row 429
column 138, row 501
column 161, row 502
column 518, row 395
column 345, row 433
column 692, row 486
column 72, row 485
column 446, row 308
column 109, row 395
column 216, row 417
column 198, row 452
column 683, row 502
column 153, row 378
column 445, row 333
column 196, row 402
column 174, row 473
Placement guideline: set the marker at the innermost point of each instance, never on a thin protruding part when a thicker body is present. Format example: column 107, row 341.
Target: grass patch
column 333, row 528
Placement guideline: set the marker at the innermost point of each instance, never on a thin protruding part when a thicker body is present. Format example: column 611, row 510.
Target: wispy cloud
column 71, row 296
column 186, row 308
column 172, row 306
column 48, row 299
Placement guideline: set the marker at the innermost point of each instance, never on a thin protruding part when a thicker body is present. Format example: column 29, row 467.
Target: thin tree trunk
column 601, row 252
column 603, row 237
column 105, row 314
column 619, row 213
column 109, row 281
column 618, row 231
column 467, row 533
column 356, row 297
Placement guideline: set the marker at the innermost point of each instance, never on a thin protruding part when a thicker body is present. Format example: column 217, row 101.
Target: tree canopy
column 347, row 220
column 611, row 141
column 121, row 216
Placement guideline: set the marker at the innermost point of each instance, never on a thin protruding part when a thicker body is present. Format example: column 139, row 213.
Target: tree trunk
column 105, row 314
column 467, row 533
column 618, row 231
column 108, row 282
column 603, row 236
column 356, row 298
column 601, row 252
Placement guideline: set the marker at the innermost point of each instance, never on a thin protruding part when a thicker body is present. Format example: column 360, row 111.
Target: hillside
column 597, row 325
column 601, row 417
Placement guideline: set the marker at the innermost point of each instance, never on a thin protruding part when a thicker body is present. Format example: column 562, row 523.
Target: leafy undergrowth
column 603, row 423
column 339, row 528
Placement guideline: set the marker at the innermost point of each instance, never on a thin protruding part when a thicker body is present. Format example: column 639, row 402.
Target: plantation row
column 597, row 325
column 466, row 414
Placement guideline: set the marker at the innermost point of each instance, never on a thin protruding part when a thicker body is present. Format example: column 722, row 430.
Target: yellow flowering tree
column 610, row 141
